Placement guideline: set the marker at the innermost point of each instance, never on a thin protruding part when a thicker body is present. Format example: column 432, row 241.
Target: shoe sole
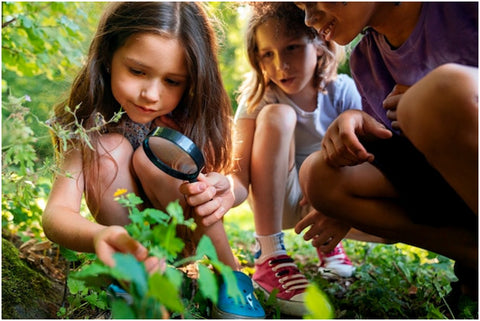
column 219, row 314
column 333, row 273
column 292, row 308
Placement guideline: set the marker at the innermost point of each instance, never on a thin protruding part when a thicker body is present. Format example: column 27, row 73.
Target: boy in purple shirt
column 406, row 167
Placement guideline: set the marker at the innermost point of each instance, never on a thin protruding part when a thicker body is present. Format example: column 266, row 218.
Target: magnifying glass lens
column 172, row 155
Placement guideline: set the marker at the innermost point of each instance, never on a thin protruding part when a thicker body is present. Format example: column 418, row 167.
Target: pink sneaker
column 336, row 262
column 281, row 273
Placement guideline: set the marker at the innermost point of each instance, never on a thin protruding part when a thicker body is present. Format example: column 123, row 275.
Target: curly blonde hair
column 287, row 13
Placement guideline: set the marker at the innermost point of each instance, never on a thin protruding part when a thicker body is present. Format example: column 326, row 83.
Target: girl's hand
column 391, row 102
column 211, row 197
column 114, row 239
column 341, row 146
column 325, row 232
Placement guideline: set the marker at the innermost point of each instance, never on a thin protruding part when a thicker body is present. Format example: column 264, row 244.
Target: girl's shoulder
column 343, row 93
column 342, row 82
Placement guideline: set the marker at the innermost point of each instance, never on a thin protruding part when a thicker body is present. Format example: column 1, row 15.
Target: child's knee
column 447, row 92
column 114, row 151
column 277, row 117
column 315, row 178
column 140, row 160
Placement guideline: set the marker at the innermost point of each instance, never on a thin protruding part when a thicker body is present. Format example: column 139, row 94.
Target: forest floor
column 391, row 281
column 44, row 257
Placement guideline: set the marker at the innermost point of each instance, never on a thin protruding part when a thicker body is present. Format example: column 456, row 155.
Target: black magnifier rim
column 181, row 141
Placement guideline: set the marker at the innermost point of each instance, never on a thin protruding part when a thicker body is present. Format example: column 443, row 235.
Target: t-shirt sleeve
column 345, row 95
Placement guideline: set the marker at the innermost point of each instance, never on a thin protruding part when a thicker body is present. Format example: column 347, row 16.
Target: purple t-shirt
column 446, row 32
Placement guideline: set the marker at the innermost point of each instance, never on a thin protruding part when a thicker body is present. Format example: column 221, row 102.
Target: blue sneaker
column 116, row 292
column 228, row 308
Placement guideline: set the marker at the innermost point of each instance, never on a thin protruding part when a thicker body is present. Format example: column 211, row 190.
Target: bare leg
column 362, row 197
column 357, row 235
column 439, row 115
column 110, row 177
column 272, row 157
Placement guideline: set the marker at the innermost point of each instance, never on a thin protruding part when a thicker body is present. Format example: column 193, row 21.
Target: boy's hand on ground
column 211, row 197
column 113, row 239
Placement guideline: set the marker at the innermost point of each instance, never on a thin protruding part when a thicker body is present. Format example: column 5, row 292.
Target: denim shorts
column 428, row 198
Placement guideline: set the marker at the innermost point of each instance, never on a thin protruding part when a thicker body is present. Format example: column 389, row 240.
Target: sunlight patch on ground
column 242, row 216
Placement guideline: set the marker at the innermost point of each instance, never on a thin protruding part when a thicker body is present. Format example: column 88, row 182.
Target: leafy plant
column 318, row 303
column 42, row 35
column 393, row 281
column 24, row 181
column 159, row 295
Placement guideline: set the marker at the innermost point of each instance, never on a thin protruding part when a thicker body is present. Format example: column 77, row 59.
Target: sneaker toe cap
column 300, row 297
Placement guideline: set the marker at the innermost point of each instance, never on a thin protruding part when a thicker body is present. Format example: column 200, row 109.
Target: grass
column 394, row 281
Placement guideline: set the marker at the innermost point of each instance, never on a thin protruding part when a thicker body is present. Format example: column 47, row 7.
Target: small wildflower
column 120, row 192
column 27, row 98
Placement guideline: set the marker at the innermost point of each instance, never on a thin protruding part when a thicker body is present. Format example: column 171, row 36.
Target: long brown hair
column 287, row 13
column 204, row 113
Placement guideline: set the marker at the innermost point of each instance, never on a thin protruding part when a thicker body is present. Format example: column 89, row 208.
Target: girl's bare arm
column 62, row 221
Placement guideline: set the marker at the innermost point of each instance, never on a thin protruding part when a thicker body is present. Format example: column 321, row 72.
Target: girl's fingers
column 201, row 198
column 214, row 217
column 154, row 264
column 192, row 188
column 116, row 239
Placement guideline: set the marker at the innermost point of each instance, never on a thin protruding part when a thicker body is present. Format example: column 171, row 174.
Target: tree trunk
column 27, row 293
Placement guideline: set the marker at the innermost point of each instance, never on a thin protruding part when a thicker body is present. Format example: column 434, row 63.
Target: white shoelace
column 289, row 282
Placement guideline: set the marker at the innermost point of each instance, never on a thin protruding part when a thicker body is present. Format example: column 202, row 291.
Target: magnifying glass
column 174, row 153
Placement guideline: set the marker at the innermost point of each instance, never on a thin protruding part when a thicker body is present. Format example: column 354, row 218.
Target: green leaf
column 75, row 286
column 131, row 270
column 156, row 216
column 96, row 301
column 68, row 254
column 175, row 276
column 165, row 292
column 228, row 277
column 94, row 269
column 175, row 211
column 121, row 310
column 165, row 237
column 205, row 248
column 95, row 274
column 272, row 298
column 207, row 282
column 318, row 304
